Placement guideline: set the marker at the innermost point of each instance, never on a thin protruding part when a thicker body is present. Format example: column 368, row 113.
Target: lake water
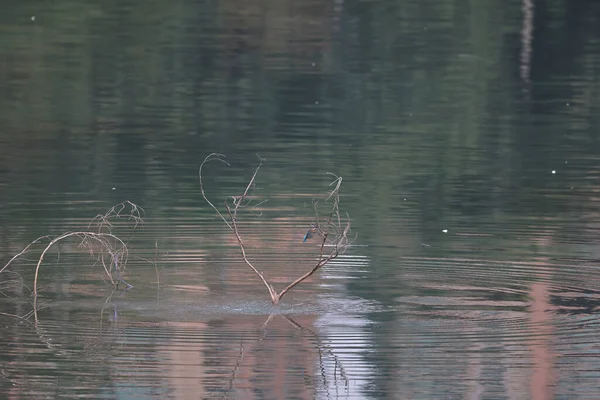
column 468, row 138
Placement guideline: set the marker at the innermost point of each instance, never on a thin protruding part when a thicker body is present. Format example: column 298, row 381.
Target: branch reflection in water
column 327, row 358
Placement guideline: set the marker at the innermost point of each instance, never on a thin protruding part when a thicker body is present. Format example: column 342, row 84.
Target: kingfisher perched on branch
column 310, row 232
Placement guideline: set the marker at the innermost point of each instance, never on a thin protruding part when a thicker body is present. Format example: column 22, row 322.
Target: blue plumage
column 309, row 233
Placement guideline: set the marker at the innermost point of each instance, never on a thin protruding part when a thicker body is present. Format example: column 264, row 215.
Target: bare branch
column 272, row 291
column 110, row 250
column 333, row 233
column 99, row 238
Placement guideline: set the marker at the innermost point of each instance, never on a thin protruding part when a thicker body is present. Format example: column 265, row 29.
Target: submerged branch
column 332, row 231
column 109, row 249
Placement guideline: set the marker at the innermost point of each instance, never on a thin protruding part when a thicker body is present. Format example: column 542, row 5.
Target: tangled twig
column 108, row 249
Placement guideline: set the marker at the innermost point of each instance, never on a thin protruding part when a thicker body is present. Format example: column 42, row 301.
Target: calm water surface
column 467, row 136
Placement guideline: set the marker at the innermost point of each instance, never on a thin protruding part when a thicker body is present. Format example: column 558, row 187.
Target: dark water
column 467, row 136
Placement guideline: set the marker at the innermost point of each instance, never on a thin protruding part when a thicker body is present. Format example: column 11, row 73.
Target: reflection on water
column 471, row 326
column 467, row 136
column 233, row 354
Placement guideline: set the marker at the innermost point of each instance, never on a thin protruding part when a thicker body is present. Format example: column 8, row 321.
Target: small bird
column 310, row 232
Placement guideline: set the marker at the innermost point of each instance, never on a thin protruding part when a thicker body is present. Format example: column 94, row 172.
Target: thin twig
column 155, row 265
column 19, row 254
column 211, row 157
